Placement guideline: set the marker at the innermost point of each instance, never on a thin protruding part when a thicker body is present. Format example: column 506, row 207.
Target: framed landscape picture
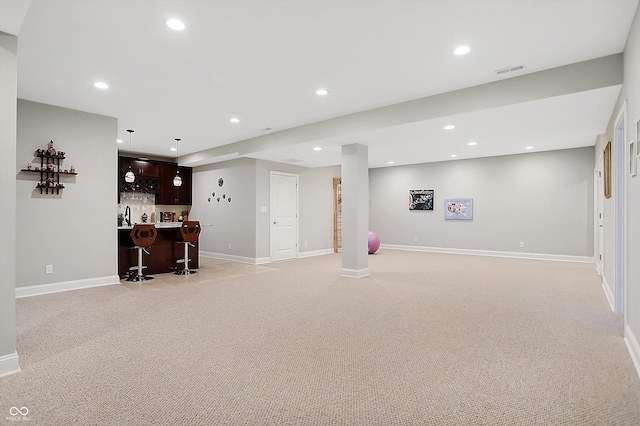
column 458, row 208
column 421, row 199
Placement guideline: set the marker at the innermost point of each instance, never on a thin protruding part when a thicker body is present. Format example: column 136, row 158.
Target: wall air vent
column 509, row 69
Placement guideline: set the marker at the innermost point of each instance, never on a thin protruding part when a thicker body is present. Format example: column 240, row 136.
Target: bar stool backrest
column 190, row 231
column 144, row 234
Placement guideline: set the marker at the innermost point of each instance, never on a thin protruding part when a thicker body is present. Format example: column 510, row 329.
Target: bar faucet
column 127, row 215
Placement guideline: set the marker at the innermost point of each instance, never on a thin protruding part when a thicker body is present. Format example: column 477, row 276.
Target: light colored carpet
column 427, row 339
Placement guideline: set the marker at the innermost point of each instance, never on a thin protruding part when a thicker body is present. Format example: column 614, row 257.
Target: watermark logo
column 18, row 414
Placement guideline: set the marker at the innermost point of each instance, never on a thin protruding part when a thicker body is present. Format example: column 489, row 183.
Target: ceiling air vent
column 509, row 69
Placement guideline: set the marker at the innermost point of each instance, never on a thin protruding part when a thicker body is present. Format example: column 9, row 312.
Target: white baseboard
column 517, row 255
column 231, row 257
column 9, row 365
column 259, row 260
column 633, row 347
column 37, row 290
column 312, row 253
column 354, row 273
column 609, row 294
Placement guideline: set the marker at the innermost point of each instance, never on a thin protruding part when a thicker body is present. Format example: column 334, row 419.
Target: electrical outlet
column 229, row 246
column 48, row 269
column 415, row 239
column 305, row 243
column 521, row 243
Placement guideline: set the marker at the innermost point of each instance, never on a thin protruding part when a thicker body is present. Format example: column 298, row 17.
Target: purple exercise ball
column 374, row 242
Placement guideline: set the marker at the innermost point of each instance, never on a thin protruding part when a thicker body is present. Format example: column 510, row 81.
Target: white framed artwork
column 458, row 209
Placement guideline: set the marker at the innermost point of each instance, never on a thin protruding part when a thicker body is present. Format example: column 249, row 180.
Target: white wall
column 542, row 199
column 76, row 230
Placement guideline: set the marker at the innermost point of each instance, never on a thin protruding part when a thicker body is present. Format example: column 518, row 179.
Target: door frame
column 620, row 153
column 271, row 212
column 598, row 229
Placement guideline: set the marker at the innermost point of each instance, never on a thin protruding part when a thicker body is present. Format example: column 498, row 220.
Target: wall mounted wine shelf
column 50, row 169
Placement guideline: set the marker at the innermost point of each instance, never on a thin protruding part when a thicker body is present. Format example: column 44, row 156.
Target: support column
column 8, row 136
column 355, row 210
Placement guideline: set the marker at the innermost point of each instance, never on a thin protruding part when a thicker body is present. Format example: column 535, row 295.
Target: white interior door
column 284, row 216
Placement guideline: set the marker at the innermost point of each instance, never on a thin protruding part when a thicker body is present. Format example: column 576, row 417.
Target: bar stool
column 190, row 231
column 143, row 236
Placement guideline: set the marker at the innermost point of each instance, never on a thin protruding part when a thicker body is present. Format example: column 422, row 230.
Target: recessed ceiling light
column 322, row 92
column 317, row 148
column 235, row 120
column 175, row 24
column 454, row 155
column 173, row 148
column 462, row 50
column 390, row 162
column 101, row 85
column 529, row 147
column 472, row 143
column 449, row 127
column 119, row 140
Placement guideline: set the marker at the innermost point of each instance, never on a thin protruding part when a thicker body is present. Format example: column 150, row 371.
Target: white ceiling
column 262, row 60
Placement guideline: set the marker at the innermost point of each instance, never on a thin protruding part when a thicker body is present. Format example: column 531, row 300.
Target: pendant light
column 129, row 177
column 177, row 180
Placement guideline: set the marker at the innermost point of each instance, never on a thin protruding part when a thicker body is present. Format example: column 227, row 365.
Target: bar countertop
column 159, row 225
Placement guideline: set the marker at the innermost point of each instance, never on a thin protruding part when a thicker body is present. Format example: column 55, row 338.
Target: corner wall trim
column 511, row 254
column 312, row 253
column 9, row 364
column 608, row 293
column 354, row 273
column 37, row 290
column 633, row 346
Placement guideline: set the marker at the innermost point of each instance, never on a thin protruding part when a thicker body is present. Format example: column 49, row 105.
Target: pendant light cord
column 130, row 140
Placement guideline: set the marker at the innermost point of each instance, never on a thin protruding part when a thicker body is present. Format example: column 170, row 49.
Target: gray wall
column 8, row 112
column 243, row 223
column 316, row 208
column 76, row 230
column 226, row 222
column 631, row 94
column 542, row 199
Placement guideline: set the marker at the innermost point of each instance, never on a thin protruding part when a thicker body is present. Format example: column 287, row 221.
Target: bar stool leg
column 140, row 262
column 185, row 270
column 139, row 275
